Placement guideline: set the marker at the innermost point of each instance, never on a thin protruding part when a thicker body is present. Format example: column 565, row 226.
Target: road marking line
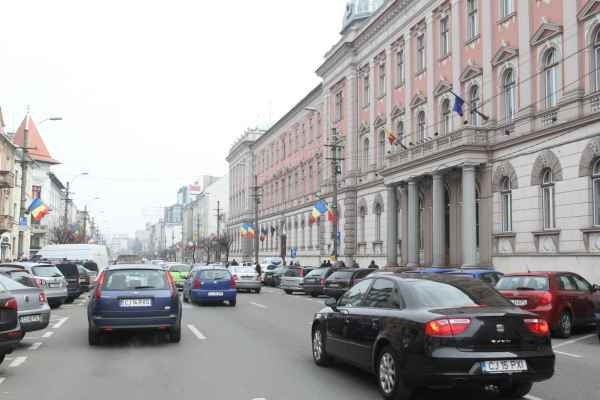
column 258, row 305
column 259, row 398
column 530, row 397
column 60, row 323
column 35, row 346
column 196, row 332
column 2, row 380
column 568, row 342
column 18, row 361
column 568, row 354
column 47, row 334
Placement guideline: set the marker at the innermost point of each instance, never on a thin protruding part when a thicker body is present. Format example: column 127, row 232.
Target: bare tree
column 60, row 235
column 206, row 245
column 225, row 242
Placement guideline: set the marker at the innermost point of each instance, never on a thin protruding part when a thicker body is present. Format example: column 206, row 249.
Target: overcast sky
column 153, row 93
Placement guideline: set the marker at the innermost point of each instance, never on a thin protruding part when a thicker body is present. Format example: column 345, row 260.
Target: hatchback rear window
column 523, row 282
column 341, row 275
column 272, row 267
column 135, row 279
column 23, row 278
column 214, row 274
column 293, row 272
column 10, row 284
column 47, row 271
column 435, row 294
column 68, row 269
column 243, row 269
column 180, row 268
column 317, row 272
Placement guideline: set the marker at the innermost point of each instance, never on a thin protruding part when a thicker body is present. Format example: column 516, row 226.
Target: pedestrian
column 328, row 264
column 341, row 264
column 258, row 269
column 234, row 263
column 323, row 264
column 355, row 264
column 373, row 265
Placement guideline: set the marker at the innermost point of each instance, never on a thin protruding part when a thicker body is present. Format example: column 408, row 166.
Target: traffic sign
column 293, row 252
column 23, row 224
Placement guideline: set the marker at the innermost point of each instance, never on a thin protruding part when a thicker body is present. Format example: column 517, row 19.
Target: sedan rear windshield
column 135, row 279
column 435, row 294
column 23, row 278
column 341, row 275
column 180, row 268
column 317, row 272
column 293, row 272
column 214, row 274
column 240, row 269
column 523, row 282
column 47, row 271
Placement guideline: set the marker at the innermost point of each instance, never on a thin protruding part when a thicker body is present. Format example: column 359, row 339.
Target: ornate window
column 382, row 79
column 596, row 191
column 472, row 25
column 474, row 104
column 381, row 149
column 506, row 195
column 338, row 106
column 550, row 78
column 362, row 214
column 420, row 126
column 366, row 154
column 446, row 117
column 548, row 199
column 508, row 83
column 420, row 53
column 400, row 67
column 400, row 132
column 366, row 89
column 444, row 37
column 596, row 61
column 378, row 222
column 506, row 8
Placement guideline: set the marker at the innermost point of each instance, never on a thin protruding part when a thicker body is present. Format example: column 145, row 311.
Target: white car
column 246, row 278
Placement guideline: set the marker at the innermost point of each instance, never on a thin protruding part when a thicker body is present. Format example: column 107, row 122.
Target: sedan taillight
column 447, row 327
column 11, row 304
column 40, row 283
column 42, row 298
column 537, row 326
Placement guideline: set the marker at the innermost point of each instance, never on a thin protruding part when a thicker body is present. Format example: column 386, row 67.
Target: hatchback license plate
column 215, row 294
column 30, row 318
column 136, row 303
column 519, row 302
column 53, row 285
column 501, row 366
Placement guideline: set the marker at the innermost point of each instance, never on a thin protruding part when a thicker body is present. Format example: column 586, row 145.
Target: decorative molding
column 339, row 85
column 379, row 121
column 378, row 200
column 364, row 71
column 364, row 128
column 546, row 159
column 443, row 10
column 398, row 112
column 588, row 156
column 380, row 58
column 547, row 241
column 547, row 30
column 442, row 87
column 471, row 71
column 398, row 44
column 502, row 170
column 419, row 28
column 418, row 99
column 591, row 8
column 504, row 54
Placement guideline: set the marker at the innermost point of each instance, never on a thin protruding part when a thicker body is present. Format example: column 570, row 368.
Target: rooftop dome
column 359, row 10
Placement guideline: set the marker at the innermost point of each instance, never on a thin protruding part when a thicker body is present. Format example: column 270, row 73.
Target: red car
column 564, row 299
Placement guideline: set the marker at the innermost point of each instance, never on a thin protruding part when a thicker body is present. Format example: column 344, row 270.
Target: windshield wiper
column 145, row 287
column 525, row 288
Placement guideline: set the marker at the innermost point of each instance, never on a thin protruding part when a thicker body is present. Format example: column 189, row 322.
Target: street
column 258, row 350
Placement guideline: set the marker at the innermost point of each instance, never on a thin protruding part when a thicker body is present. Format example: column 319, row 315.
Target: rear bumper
column 247, row 285
column 296, row 287
column 135, row 322
column 203, row 295
column 56, row 294
column 35, row 326
column 316, row 289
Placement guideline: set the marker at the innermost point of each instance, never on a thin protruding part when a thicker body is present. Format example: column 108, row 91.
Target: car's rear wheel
column 288, row 291
column 1, row 358
column 516, row 391
column 93, row 336
column 257, row 291
column 232, row 303
column 318, row 346
column 175, row 334
column 389, row 382
column 565, row 325
column 54, row 304
column 314, row 294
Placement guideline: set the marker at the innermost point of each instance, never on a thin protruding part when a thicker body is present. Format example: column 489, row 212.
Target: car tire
column 2, row 358
column 93, row 336
column 232, row 303
column 314, row 294
column 175, row 334
column 319, row 349
column 565, row 325
column 54, row 305
column 257, row 291
column 389, row 381
column 287, row 291
column 516, row 391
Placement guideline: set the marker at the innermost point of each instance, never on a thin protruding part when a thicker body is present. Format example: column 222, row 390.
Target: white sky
column 153, row 93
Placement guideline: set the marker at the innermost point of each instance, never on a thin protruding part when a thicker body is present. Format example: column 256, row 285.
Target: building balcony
column 6, row 223
column 7, row 179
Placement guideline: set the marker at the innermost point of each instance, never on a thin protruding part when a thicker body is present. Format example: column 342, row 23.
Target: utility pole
column 67, row 193
column 197, row 241
column 335, row 147
column 256, row 194
column 24, row 168
column 85, row 214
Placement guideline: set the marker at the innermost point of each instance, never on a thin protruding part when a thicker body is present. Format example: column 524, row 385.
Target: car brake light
column 447, row 327
column 11, row 304
column 171, row 284
column 14, row 333
column 322, row 281
column 42, row 298
column 537, row 326
column 233, row 282
column 197, row 284
column 545, row 299
column 100, row 282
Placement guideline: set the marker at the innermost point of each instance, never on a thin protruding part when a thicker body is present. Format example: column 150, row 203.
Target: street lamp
column 67, row 192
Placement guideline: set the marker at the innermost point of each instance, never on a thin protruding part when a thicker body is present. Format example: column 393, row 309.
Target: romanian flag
column 312, row 220
column 331, row 217
column 250, row 231
column 243, row 230
column 38, row 210
column 319, row 209
column 390, row 136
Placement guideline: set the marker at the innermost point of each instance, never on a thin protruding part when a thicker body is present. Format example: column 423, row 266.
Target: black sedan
column 314, row 281
column 433, row 330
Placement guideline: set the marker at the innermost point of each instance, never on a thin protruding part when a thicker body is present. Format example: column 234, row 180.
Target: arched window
column 366, row 154
column 508, row 84
column 362, row 214
column 474, row 104
column 596, row 61
column 381, row 149
column 378, row 222
column 596, row 191
column 550, row 78
column 506, row 193
column 420, row 222
column 400, row 132
column 445, row 121
column 420, row 126
column 548, row 199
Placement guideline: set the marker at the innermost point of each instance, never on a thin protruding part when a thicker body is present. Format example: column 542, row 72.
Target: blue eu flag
column 458, row 104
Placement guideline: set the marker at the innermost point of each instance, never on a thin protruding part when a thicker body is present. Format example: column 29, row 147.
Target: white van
column 92, row 252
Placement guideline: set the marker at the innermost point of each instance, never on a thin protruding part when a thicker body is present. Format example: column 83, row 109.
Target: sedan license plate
column 30, row 318
column 519, row 302
column 136, row 303
column 53, row 285
column 215, row 294
column 502, row 366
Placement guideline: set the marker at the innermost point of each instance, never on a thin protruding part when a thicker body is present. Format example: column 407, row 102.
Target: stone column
column 468, row 216
column 404, row 223
column 439, row 220
column 412, row 224
column 392, row 227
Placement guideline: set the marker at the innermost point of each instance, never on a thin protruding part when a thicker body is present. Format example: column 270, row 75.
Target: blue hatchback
column 210, row 285
column 134, row 297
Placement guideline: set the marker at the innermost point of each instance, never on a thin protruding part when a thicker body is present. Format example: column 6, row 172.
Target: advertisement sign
column 194, row 190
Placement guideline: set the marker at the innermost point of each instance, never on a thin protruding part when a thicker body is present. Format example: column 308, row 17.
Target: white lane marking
column 568, row 342
column 35, row 346
column 196, row 332
column 530, row 397
column 60, row 323
column 2, row 380
column 47, row 334
column 259, row 398
column 18, row 361
column 568, row 354
column 257, row 305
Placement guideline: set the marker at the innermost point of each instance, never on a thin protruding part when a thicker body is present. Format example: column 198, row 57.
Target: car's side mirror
column 332, row 303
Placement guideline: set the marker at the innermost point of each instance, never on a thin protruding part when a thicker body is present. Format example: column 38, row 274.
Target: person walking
column 234, row 263
column 355, row 264
column 373, row 265
column 323, row 264
column 258, row 270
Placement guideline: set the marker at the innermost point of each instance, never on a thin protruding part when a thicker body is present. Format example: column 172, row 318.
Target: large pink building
column 514, row 182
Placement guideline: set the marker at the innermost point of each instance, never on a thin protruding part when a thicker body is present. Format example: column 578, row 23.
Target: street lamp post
column 67, row 199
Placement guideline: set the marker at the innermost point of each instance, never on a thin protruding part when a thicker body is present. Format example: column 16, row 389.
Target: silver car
column 246, row 278
column 50, row 279
column 292, row 278
column 33, row 309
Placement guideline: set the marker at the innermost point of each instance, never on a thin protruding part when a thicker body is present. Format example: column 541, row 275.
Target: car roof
column 471, row 271
column 27, row 264
column 134, row 266
column 537, row 273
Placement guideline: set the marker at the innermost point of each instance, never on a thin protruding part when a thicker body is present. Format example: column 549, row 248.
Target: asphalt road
column 258, row 350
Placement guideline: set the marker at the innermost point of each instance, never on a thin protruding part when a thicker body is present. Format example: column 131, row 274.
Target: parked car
column 433, row 330
column 210, row 285
column 272, row 275
column 85, row 281
column 18, row 274
column 291, row 280
column 32, row 307
column 314, row 281
column 486, row 275
column 10, row 331
column 179, row 272
column 134, row 297
column 343, row 279
column 246, row 278
column 94, row 254
column 71, row 274
column 49, row 278
column 266, row 269
column 564, row 299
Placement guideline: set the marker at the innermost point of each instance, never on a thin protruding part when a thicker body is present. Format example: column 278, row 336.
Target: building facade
column 514, row 182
